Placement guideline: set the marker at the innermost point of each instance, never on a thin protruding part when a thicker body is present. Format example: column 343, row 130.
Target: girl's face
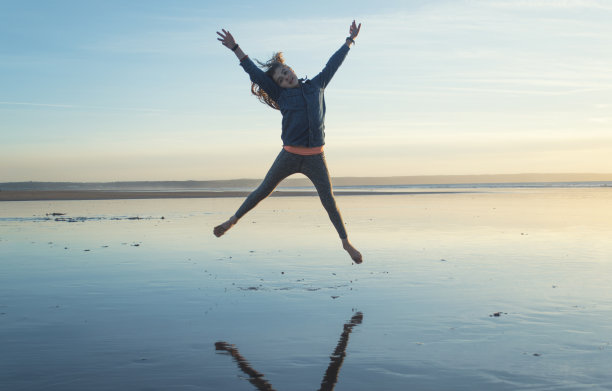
column 285, row 77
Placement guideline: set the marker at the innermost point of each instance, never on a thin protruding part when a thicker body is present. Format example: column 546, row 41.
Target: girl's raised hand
column 354, row 30
column 227, row 39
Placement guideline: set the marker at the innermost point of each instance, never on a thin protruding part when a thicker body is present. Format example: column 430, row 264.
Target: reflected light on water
column 112, row 296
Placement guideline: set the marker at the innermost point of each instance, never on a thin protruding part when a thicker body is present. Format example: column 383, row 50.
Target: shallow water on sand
column 501, row 290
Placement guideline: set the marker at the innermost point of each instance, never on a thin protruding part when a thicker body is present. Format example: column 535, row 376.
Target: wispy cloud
column 36, row 104
column 548, row 4
column 165, row 43
column 78, row 107
column 523, row 91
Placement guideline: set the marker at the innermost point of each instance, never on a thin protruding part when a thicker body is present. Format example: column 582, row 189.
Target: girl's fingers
column 355, row 28
column 224, row 34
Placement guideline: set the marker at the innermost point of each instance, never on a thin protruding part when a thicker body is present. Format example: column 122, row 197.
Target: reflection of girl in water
column 302, row 106
column 331, row 374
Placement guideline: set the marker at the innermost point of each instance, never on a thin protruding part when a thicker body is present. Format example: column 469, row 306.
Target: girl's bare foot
column 222, row 228
column 355, row 255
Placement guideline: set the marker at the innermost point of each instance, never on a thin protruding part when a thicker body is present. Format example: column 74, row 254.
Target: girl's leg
column 315, row 168
column 284, row 165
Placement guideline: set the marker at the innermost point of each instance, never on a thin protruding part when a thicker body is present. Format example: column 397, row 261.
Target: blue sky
column 142, row 90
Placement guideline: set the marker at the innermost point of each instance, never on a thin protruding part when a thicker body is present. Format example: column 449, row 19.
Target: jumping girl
column 302, row 106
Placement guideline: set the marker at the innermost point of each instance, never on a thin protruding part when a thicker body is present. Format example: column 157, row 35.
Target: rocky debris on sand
column 498, row 314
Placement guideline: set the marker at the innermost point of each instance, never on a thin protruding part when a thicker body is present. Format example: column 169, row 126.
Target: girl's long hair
column 269, row 67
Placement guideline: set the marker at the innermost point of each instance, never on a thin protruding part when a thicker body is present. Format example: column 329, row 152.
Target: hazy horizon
column 300, row 180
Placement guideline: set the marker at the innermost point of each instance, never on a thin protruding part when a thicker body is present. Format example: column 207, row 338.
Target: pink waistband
column 304, row 151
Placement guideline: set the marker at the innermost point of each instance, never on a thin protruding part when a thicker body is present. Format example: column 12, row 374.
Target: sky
column 142, row 90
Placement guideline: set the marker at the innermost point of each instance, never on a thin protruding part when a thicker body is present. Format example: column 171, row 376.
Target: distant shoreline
column 245, row 184
column 75, row 195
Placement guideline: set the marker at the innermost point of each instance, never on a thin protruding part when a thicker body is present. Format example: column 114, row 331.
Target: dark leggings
column 314, row 167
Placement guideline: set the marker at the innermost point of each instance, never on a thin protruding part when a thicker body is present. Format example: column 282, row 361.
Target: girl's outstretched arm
column 228, row 41
column 325, row 76
column 257, row 75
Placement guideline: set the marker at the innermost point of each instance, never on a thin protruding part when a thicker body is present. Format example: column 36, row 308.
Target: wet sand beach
column 57, row 195
column 488, row 290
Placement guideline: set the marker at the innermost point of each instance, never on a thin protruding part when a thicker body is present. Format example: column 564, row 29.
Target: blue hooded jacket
column 303, row 107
